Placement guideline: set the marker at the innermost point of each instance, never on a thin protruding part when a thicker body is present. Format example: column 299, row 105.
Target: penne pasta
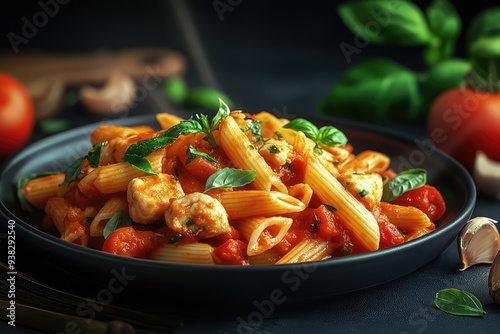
column 263, row 233
column 407, row 218
column 306, row 251
column 38, row 191
column 191, row 253
column 114, row 178
column 367, row 162
column 115, row 203
column 237, row 189
column 69, row 220
column 244, row 156
column 270, row 256
column 354, row 214
column 263, row 203
column 107, row 132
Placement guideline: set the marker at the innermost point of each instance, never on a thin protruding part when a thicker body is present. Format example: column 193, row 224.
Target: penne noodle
column 418, row 233
column 115, row 203
column 263, row 233
column 367, row 162
column 407, row 218
column 301, row 191
column 38, row 191
column 191, row 253
column 306, row 250
column 115, row 178
column 270, row 256
column 241, row 152
column 353, row 213
column 69, row 220
column 167, row 120
column 263, row 203
column 107, row 132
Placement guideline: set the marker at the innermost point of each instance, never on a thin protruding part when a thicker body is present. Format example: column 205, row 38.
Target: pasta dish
column 237, row 189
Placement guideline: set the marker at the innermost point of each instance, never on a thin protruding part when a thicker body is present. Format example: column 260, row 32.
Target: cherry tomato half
column 427, row 198
column 463, row 121
column 17, row 115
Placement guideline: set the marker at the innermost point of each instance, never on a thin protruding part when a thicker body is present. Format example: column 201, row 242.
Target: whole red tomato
column 464, row 121
column 17, row 115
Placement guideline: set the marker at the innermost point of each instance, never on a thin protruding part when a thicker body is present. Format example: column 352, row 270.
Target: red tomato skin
column 389, row 234
column 463, row 121
column 232, row 252
column 426, row 198
column 127, row 241
column 17, row 115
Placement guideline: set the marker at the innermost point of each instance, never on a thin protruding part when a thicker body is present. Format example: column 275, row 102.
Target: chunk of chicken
column 149, row 196
column 276, row 152
column 197, row 215
column 367, row 188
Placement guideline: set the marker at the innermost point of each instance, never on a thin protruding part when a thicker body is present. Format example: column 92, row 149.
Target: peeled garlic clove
column 114, row 97
column 486, row 174
column 478, row 242
column 494, row 279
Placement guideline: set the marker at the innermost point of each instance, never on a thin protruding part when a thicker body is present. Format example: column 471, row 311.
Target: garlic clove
column 114, row 97
column 494, row 279
column 478, row 242
column 486, row 174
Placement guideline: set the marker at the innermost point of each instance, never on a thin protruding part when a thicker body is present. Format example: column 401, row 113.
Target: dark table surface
column 270, row 57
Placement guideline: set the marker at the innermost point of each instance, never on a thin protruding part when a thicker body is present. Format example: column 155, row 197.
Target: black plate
column 93, row 273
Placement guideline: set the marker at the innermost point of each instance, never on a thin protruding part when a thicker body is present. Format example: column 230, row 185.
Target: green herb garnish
column 119, row 219
column 228, row 178
column 326, row 135
column 459, row 302
column 21, row 182
column 403, row 182
column 193, row 154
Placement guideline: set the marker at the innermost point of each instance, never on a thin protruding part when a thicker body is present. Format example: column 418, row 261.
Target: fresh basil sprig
column 403, row 182
column 21, row 182
column 119, row 219
column 326, row 135
column 194, row 153
column 459, row 302
column 136, row 153
column 75, row 168
column 229, row 177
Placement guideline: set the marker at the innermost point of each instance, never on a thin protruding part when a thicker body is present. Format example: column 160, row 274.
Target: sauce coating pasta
column 244, row 189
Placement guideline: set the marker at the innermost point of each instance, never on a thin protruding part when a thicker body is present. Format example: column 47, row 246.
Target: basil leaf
column 21, row 182
column 229, row 178
column 386, row 22
column 206, row 98
column 459, row 302
column 331, row 136
column 94, row 154
column 182, row 128
column 207, row 129
column 255, row 127
column 194, row 153
column 375, row 90
column 446, row 24
column 300, row 124
column 175, row 89
column 119, row 219
column 74, row 170
column 485, row 24
column 223, row 112
column 136, row 153
column 485, row 62
column 139, row 163
column 403, row 182
column 444, row 75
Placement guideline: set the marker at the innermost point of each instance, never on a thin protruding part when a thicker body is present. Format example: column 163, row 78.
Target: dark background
column 265, row 55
